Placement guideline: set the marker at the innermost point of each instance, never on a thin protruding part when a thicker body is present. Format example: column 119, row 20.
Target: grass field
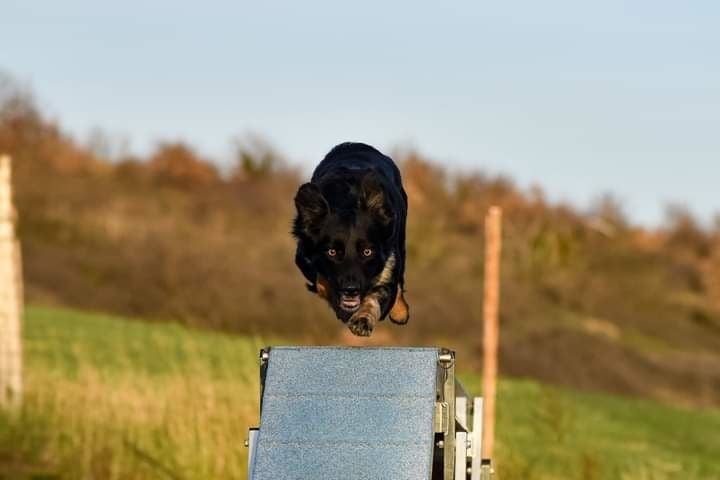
column 108, row 398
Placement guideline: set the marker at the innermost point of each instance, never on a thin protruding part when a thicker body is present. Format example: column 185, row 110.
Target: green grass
column 548, row 433
column 108, row 398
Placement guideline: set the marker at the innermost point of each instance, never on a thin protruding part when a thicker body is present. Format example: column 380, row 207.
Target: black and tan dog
column 350, row 231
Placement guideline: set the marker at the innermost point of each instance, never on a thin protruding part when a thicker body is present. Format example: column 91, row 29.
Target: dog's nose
column 351, row 291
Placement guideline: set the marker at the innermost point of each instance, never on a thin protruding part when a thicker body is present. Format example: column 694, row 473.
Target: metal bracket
column 440, row 420
column 486, row 470
column 251, row 443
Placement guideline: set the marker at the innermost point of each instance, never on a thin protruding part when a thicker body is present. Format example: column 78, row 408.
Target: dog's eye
column 367, row 252
column 332, row 252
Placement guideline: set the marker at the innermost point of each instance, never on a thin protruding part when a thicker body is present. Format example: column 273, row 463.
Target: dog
column 350, row 233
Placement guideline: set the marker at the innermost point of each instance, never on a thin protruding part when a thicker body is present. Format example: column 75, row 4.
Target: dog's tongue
column 350, row 302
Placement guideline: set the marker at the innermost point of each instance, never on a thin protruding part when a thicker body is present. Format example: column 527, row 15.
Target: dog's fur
column 350, row 231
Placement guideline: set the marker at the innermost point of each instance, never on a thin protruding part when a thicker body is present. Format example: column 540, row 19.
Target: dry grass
column 108, row 399
column 135, row 427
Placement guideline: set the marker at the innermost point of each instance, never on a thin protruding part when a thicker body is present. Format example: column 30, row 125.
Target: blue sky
column 579, row 98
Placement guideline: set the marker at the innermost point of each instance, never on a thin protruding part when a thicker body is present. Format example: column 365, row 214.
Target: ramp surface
column 347, row 413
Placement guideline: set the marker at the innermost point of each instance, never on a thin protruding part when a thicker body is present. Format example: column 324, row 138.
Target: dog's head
column 345, row 229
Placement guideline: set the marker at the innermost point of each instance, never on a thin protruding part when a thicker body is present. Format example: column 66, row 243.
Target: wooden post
column 10, row 295
column 493, row 245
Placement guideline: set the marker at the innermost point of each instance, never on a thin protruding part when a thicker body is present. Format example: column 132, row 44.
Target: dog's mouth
column 349, row 303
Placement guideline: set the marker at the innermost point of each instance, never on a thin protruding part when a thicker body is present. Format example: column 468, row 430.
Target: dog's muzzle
column 350, row 303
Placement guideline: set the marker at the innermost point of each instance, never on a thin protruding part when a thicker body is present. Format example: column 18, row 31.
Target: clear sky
column 581, row 98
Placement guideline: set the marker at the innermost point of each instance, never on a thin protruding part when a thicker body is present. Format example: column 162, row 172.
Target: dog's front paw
column 364, row 320
column 361, row 324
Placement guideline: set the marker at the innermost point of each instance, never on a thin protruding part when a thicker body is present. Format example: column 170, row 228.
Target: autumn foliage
column 588, row 299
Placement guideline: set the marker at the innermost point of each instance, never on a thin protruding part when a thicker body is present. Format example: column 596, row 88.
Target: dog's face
column 345, row 231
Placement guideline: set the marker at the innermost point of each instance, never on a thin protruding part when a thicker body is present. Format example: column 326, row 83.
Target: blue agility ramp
column 360, row 413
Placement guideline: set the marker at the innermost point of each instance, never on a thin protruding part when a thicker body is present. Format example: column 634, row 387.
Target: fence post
column 10, row 295
column 493, row 246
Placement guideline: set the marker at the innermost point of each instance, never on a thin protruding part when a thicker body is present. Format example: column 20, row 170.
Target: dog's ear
column 374, row 200
column 312, row 208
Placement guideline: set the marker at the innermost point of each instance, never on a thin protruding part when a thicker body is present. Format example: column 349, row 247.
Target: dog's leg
column 385, row 298
column 400, row 311
column 364, row 320
column 374, row 307
column 322, row 287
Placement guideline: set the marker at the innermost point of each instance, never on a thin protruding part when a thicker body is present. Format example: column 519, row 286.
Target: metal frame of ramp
column 363, row 413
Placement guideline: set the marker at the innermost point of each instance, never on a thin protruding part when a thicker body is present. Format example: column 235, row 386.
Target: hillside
column 114, row 398
column 588, row 299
